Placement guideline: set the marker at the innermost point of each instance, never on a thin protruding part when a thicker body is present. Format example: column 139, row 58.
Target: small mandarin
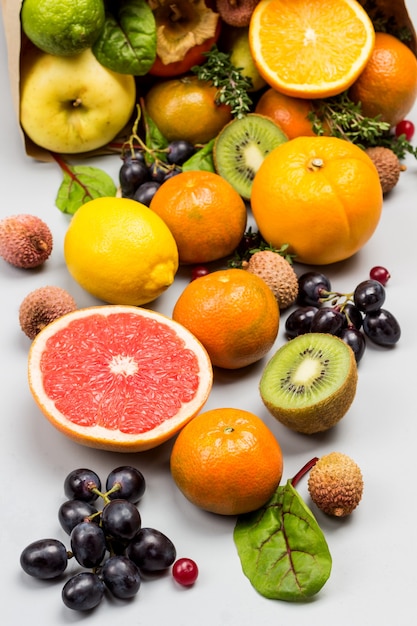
column 290, row 113
column 388, row 84
column 233, row 313
column 227, row 461
column 186, row 108
column 204, row 213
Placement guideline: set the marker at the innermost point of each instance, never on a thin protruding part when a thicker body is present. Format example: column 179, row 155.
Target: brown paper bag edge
column 11, row 22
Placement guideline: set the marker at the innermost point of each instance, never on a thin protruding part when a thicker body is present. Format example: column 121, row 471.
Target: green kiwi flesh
column 241, row 146
column 310, row 382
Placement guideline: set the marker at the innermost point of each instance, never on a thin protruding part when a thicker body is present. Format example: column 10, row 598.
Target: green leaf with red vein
column 80, row 184
column 282, row 549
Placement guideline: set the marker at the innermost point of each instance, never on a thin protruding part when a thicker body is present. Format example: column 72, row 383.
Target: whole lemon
column 120, row 251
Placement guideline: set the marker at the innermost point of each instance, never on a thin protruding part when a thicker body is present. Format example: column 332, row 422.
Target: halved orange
column 118, row 377
column 310, row 48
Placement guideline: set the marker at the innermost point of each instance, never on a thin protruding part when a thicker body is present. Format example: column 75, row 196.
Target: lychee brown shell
column 236, row 12
column 25, row 240
column 387, row 165
column 42, row 306
column 278, row 274
column 335, row 484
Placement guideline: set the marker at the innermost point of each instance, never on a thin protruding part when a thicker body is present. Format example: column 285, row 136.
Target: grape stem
column 303, row 471
column 105, row 495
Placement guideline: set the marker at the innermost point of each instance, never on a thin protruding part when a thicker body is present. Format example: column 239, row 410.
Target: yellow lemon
column 120, row 251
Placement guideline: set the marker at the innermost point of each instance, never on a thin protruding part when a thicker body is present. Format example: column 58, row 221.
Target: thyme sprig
column 232, row 85
column 340, row 117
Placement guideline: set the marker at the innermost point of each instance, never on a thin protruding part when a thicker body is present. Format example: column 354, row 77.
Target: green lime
column 62, row 28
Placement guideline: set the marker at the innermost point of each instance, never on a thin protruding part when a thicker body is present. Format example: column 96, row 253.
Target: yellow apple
column 73, row 104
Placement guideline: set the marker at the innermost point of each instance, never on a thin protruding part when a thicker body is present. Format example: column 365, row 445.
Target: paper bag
column 394, row 11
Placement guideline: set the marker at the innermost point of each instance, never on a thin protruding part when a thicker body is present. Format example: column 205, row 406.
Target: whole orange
column 288, row 112
column 205, row 214
column 320, row 195
column 388, row 84
column 187, row 108
column 227, row 461
column 233, row 313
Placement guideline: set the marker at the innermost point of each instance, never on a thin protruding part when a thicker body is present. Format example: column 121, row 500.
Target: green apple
column 73, row 104
column 241, row 56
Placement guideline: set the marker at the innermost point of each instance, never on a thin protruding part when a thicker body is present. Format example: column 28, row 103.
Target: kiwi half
column 241, row 146
column 310, row 382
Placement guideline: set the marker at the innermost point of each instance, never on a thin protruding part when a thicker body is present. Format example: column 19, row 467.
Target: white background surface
column 374, row 551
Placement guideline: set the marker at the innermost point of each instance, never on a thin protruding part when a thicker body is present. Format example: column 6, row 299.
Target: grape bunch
column 354, row 317
column 109, row 544
column 140, row 181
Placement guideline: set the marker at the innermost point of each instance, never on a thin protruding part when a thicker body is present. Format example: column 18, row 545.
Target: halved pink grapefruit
column 118, row 378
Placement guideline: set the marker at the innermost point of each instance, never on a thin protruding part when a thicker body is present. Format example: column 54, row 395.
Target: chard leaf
column 202, row 159
column 127, row 42
column 282, row 549
column 80, row 184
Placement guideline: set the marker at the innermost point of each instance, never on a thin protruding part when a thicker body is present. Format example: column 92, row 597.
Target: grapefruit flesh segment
column 118, row 377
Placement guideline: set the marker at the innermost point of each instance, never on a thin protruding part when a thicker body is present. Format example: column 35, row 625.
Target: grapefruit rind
column 96, row 435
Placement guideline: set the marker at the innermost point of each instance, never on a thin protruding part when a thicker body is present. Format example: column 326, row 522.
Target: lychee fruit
column 25, row 240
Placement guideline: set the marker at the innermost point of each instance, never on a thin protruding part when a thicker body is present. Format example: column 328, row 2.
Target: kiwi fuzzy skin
column 321, row 415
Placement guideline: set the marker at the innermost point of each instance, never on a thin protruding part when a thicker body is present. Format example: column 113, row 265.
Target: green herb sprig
column 232, row 85
column 340, row 117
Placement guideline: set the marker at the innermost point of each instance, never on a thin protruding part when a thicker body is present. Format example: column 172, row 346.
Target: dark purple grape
column 158, row 172
column 116, row 546
column 151, row 550
column 311, row 287
column 356, row 340
column 121, row 576
column 121, row 519
column 131, row 175
column 299, row 321
column 72, row 512
column 369, row 295
column 88, row 544
column 250, row 240
column 353, row 317
column 144, row 193
column 83, row 592
column 80, row 483
column 130, row 481
column 134, row 155
column 382, row 327
column 45, row 558
column 180, row 151
column 171, row 173
column 327, row 320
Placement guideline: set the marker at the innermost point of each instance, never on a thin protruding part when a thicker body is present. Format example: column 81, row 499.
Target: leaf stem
column 303, row 471
column 68, row 170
